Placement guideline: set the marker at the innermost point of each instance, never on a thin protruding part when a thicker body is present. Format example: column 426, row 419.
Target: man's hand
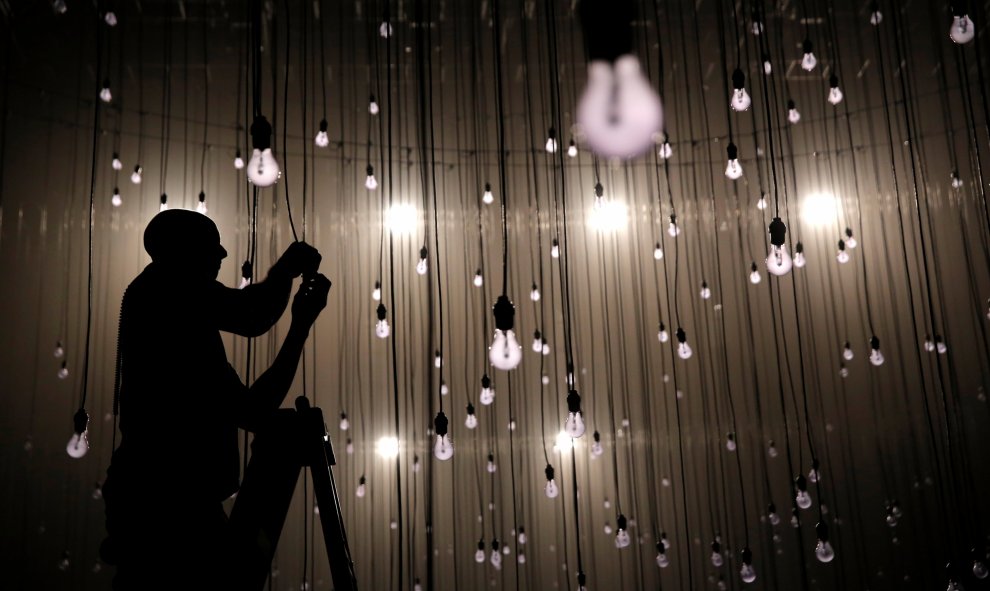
column 310, row 299
column 299, row 259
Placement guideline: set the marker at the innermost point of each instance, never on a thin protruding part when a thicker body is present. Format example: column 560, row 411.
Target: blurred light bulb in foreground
column 505, row 352
column 382, row 329
column 116, row 199
column 550, row 489
column 574, row 424
column 740, row 100
column 79, row 442
column 551, row 145
column 537, row 342
column 793, row 115
column 876, row 357
column 421, row 265
column 847, row 352
column 730, row 441
column 136, row 175
column 778, row 261
column 980, row 570
column 238, row 160
column 372, row 105
column 322, row 140
column 110, row 18
column 733, row 170
column 621, row 535
column 496, row 556
column 361, row 487
column 850, row 240
column 105, row 94
column 754, row 274
column 472, row 419
column 443, row 449
column 572, row 150
column 940, row 345
column 115, row 163
column 619, row 112
column 487, row 392
column 370, row 182
column 834, row 93
column 962, row 29
column 683, row 349
column 487, row 197
column 808, row 62
column 385, row 30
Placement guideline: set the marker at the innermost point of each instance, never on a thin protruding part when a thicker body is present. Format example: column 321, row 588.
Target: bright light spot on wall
column 387, row 447
column 820, row 209
column 401, row 219
column 609, row 216
column 563, row 442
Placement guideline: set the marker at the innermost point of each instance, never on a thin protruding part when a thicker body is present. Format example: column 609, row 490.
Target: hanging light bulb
column 437, row 360
column 59, row 350
column 733, row 170
column 795, row 522
column 478, row 279
column 778, row 261
column 834, row 93
column 444, row 390
column 572, row 150
column 793, row 115
column 345, row 424
column 491, row 464
column 772, row 449
column 847, row 352
column 662, row 560
column 472, row 419
column 555, row 248
column 772, row 516
column 105, row 94
column 362, row 487
column 596, row 446
column 136, row 175
column 443, row 449
column 876, row 17
column 385, row 30
column 808, row 62
column 487, row 198
column 767, row 65
column 110, row 18
column 940, row 345
column 551, row 145
column 799, row 260
column 876, row 357
column 657, row 252
column 662, row 334
column 116, row 199
column 730, row 441
column 814, row 475
column 850, row 240
column 382, row 329
column 479, row 555
column 754, row 274
column 621, row 535
column 163, row 202
column 201, row 205
column 740, row 100
column 962, row 29
column 496, row 556
column 238, row 161
column 761, row 203
column 683, row 349
column 705, row 292
column 599, row 197
column 550, row 489
column 372, row 105
column 843, row 370
column 823, row 549
column 534, row 293
column 957, row 183
column 322, row 140
column 673, row 230
column 929, row 343
column 263, row 169
column 581, row 580
column 370, row 182
column 79, row 442
column 619, row 113
column 747, row 573
column 801, row 497
column 349, row 446
column 421, row 266
column 487, row 392
column 376, row 293
column 980, row 570
column 115, row 163
column 63, row 563
column 574, row 424
column 716, row 556
column 505, row 353
column 665, row 151
column 537, row 342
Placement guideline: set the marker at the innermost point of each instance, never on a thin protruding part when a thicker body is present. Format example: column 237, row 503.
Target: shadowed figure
column 181, row 404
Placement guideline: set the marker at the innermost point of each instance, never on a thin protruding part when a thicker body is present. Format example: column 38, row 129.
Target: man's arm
column 270, row 389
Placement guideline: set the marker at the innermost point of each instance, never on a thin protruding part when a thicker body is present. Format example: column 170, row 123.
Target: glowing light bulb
column 116, row 164
column 850, row 240
column 479, row 555
column 376, row 293
column 662, row 335
column 754, row 274
column 443, row 449
column 834, row 93
column 761, row 203
column 596, row 446
column 772, row 516
column 238, row 161
column 79, row 442
column 116, row 199
column 505, row 352
column 756, row 28
column 263, row 169
column 574, row 424
column 487, row 392
column 940, row 345
column 815, row 474
column 847, row 352
column 808, row 62
column 322, row 140
column 63, row 371
column 521, row 538
column 801, row 497
column 876, row 357
column 823, row 549
column 491, row 464
column 778, row 261
column 683, row 349
column 537, row 342
column 421, row 266
column 521, row 558
column 349, row 447
column 385, row 30
column 673, row 230
column 362, row 487
column 730, row 442
column 772, row 449
column 740, row 100
column 657, row 252
column 733, row 170
column 876, row 17
column 662, row 560
column 59, row 350
column 551, row 489
column 747, row 573
column 962, row 29
column 572, row 150
column 496, row 556
column 372, row 105
column 382, row 329
column 110, row 18
column 793, row 115
column 478, row 280
column 555, row 249
column 487, row 197
column 105, row 94
column 980, row 569
column 201, row 204
column 716, row 558
column 957, row 183
column 705, row 292
column 534, row 293
column 136, row 175
column 551, row 145
column 665, row 151
column 767, row 66
column 621, row 535
column 163, row 202
column 370, row 182
column 345, row 424
column 471, row 421
column 619, row 112
column 63, row 563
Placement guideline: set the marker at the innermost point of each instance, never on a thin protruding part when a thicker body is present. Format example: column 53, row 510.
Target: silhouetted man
column 181, row 403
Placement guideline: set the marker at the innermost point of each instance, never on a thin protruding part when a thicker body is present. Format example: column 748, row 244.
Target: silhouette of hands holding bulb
column 310, row 299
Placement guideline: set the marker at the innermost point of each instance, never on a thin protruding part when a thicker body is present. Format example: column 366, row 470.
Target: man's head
column 186, row 243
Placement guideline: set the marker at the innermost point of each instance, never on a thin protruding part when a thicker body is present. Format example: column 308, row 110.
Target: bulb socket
column 573, row 401
column 505, row 313
column 596, row 436
column 777, row 232
column 621, row 522
column 80, row 420
column 738, row 79
column 548, row 471
column 470, row 408
column 681, row 336
column 833, row 81
column 747, row 556
column 323, row 125
column 822, row 531
column 423, row 252
column 486, row 382
column 440, row 424
column 380, row 311
column 801, row 483
column 369, row 170
column 261, row 133
column 732, row 151
column 791, row 105
column 806, row 46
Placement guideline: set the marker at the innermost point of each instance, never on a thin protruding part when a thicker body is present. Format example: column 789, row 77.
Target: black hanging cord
column 500, row 125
